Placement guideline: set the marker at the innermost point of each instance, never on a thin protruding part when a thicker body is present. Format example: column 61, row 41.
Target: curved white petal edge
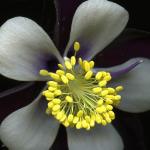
column 25, row 48
column 95, row 25
column 136, row 83
column 29, row 128
column 98, row 138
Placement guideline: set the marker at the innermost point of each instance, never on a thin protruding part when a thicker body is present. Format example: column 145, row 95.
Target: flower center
column 78, row 97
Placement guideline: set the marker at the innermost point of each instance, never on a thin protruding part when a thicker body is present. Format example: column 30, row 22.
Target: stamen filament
column 78, row 97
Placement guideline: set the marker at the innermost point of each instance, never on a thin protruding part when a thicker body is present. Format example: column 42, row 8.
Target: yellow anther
column 109, row 101
column 61, row 66
column 51, row 89
column 57, row 92
column 52, row 83
column 73, row 60
column 88, row 127
column 119, row 88
column 76, row 46
column 107, row 77
column 80, row 113
column 108, row 74
column 98, row 118
column 54, row 76
column 117, row 97
column 84, row 124
column 101, row 109
column 64, row 79
column 59, row 115
column 70, row 76
column 43, row 93
column 44, row 72
column 50, row 105
column 100, row 102
column 92, row 123
column 109, row 107
column 78, row 125
column 110, row 96
column 70, row 118
column 92, row 116
column 54, row 113
column 56, row 107
column 49, row 99
column 56, row 101
column 75, row 119
column 97, row 90
column 111, row 114
column 88, row 75
column 86, row 66
column 104, row 122
column 105, row 115
column 63, row 118
column 80, row 62
column 68, row 65
column 49, row 95
column 108, row 120
column 104, row 73
column 98, row 75
column 69, row 99
column 91, row 64
column 102, row 83
column 87, row 118
column 111, row 90
column 104, row 92
column 66, row 123
column 60, row 72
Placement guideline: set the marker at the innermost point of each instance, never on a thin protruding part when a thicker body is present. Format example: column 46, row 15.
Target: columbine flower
column 77, row 94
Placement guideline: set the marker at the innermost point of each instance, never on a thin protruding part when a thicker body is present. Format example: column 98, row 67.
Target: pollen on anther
column 77, row 96
column 76, row 46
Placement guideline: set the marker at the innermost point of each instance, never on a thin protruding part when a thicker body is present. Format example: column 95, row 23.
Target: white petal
column 136, row 93
column 29, row 128
column 98, row 138
column 25, row 48
column 96, row 24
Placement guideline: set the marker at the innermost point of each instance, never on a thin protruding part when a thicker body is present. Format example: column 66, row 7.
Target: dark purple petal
column 65, row 10
column 130, row 44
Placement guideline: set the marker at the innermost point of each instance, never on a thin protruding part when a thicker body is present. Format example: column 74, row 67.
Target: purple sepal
column 122, row 69
column 125, row 69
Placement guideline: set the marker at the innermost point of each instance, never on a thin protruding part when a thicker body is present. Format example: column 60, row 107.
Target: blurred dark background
column 134, row 128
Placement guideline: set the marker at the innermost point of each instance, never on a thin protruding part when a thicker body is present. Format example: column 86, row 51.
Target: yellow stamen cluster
column 78, row 97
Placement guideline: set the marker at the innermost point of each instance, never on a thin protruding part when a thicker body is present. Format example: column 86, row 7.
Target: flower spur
column 25, row 50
